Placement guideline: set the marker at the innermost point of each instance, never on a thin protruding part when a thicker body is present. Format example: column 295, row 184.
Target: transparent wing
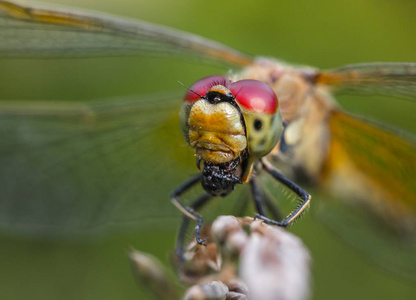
column 387, row 158
column 393, row 79
column 363, row 232
column 376, row 210
column 45, row 30
column 80, row 167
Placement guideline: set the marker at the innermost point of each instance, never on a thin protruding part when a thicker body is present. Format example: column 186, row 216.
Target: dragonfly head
column 229, row 125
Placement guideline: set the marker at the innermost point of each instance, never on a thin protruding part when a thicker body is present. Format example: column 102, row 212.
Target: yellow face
column 216, row 132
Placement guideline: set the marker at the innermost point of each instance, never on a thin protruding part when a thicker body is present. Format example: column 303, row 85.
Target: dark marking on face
column 258, row 124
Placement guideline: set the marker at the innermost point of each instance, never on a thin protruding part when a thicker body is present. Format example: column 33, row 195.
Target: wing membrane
column 388, row 159
column 47, row 30
column 81, row 169
column 393, row 79
column 365, row 233
column 376, row 170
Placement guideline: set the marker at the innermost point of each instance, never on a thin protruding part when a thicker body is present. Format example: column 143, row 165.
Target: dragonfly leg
column 262, row 201
column 188, row 211
column 303, row 195
column 257, row 194
column 198, row 203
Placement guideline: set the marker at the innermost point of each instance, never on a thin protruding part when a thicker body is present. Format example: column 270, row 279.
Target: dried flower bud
column 214, row 290
column 152, row 276
column 275, row 264
column 244, row 259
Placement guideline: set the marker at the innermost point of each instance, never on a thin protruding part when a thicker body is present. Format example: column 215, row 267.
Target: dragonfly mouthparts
column 220, row 180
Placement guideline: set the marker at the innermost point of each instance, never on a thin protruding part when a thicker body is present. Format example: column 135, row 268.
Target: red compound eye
column 202, row 87
column 255, row 96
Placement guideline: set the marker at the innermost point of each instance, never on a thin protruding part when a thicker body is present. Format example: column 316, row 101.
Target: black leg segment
column 197, row 204
column 189, row 211
column 257, row 195
column 303, row 195
column 262, row 201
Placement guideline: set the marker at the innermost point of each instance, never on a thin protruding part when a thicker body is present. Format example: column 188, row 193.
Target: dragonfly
column 62, row 174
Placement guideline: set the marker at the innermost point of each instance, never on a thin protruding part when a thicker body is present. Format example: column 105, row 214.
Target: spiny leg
column 261, row 200
column 306, row 198
column 197, row 204
column 188, row 211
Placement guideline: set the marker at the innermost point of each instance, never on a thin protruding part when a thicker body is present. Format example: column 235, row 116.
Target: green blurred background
column 322, row 34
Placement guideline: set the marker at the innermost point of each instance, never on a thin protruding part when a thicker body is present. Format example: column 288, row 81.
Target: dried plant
column 243, row 259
